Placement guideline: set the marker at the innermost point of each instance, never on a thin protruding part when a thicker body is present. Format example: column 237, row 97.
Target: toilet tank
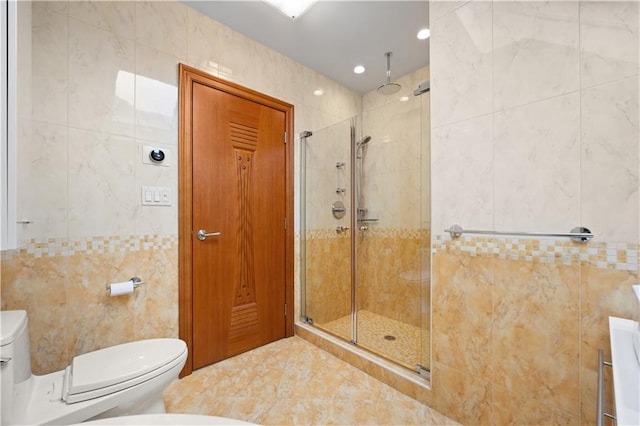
column 15, row 366
column 14, row 339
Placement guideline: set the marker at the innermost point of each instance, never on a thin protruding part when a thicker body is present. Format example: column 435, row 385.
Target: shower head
column 364, row 140
column 361, row 145
column 389, row 88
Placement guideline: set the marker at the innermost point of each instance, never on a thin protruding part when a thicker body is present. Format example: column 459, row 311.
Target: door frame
column 187, row 77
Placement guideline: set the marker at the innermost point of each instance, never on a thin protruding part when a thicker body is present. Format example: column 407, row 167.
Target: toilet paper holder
column 135, row 280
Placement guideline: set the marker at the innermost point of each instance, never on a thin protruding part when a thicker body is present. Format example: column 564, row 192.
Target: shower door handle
column 202, row 234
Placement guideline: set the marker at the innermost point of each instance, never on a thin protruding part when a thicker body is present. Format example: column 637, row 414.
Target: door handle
column 202, row 234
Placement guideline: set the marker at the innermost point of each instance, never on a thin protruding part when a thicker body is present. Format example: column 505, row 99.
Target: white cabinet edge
column 626, row 370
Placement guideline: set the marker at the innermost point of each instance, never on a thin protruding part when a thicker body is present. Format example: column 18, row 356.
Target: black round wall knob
column 156, row 155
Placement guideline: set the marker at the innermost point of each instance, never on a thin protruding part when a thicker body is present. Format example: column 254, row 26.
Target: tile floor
column 292, row 382
column 372, row 329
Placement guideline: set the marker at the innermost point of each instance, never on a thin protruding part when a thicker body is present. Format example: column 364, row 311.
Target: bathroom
column 533, row 127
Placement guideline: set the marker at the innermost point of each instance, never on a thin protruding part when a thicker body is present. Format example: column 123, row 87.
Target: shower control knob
column 364, row 228
column 341, row 229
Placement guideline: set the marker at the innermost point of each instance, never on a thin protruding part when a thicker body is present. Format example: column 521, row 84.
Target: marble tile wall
column 392, row 276
column 328, row 276
column 62, row 287
column 393, row 280
column 98, row 82
column 534, row 128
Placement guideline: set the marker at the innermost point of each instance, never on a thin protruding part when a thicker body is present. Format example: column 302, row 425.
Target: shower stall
column 365, row 229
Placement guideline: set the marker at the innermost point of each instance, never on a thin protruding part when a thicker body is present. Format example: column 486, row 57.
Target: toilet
column 120, row 380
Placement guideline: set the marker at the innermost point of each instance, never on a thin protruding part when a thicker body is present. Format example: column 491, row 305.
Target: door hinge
column 285, row 223
column 423, row 371
column 285, row 137
column 285, row 309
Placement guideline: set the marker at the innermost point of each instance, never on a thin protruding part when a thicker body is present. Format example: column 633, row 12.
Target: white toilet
column 120, row 380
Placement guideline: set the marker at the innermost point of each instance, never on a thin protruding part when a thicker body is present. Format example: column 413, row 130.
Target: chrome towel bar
column 600, row 411
column 577, row 234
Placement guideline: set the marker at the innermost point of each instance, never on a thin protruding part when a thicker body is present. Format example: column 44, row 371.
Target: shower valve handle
column 341, row 229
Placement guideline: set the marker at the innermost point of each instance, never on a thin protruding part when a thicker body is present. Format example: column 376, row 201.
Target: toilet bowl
column 119, row 380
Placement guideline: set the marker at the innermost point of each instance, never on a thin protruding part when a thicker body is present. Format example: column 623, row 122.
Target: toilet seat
column 115, row 368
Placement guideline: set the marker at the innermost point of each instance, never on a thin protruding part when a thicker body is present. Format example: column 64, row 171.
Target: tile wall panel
column 461, row 41
column 101, row 80
column 536, row 305
column 43, row 184
column 462, row 313
column 468, row 200
column 101, row 176
column 49, row 71
column 564, row 144
column 523, row 34
column 609, row 133
column 156, row 96
column 536, row 165
column 162, row 25
column 609, row 41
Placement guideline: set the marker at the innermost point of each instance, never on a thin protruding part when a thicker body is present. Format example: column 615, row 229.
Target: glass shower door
column 365, row 252
column 393, row 241
column 326, row 216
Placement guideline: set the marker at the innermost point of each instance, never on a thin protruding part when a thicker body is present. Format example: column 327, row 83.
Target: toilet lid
column 117, row 364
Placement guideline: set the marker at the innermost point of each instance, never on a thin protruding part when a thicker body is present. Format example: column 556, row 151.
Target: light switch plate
column 156, row 196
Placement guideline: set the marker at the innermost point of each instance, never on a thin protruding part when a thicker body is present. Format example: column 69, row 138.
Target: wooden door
column 240, row 197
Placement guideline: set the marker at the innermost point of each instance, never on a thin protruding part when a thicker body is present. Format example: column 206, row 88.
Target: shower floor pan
column 389, row 338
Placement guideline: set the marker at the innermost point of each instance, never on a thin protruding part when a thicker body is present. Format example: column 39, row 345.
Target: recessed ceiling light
column 292, row 8
column 359, row 69
column 404, row 98
column 318, row 92
column 424, row 34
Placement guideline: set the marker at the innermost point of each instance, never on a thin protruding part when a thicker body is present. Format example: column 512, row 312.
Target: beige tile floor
column 372, row 329
column 292, row 382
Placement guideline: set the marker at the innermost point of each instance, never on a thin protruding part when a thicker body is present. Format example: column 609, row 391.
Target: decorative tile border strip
column 323, row 234
column 59, row 247
column 371, row 232
column 604, row 255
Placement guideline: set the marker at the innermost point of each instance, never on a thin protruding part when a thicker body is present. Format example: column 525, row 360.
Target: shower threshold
column 405, row 380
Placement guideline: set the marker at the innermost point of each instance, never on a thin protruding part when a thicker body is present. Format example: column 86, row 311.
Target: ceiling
column 332, row 37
